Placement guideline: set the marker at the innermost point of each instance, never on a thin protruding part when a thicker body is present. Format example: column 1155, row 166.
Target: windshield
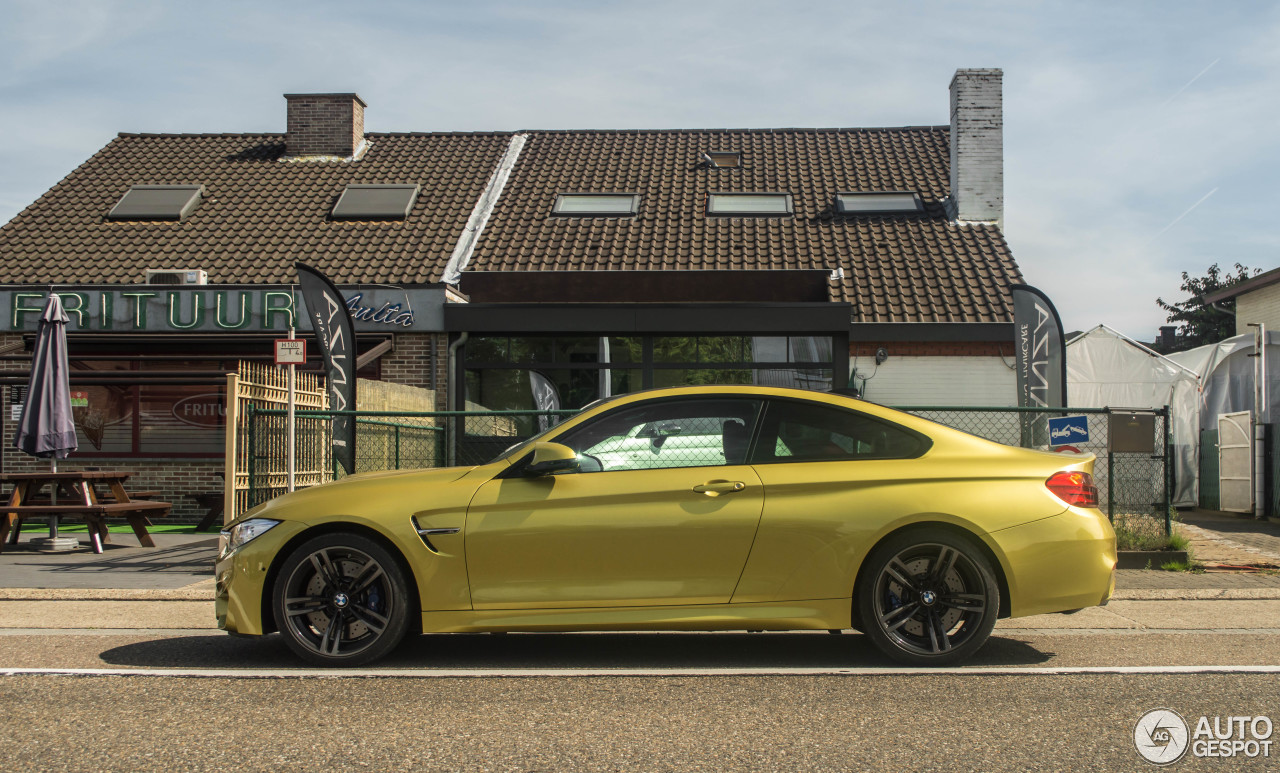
column 518, row 448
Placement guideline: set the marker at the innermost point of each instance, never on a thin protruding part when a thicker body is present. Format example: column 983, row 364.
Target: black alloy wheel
column 341, row 600
column 928, row 598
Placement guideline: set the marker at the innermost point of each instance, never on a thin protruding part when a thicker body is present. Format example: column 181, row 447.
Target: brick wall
column 324, row 124
column 415, row 357
column 1261, row 305
column 411, row 362
column 934, row 349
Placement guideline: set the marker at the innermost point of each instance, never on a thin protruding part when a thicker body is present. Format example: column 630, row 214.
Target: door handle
column 715, row 488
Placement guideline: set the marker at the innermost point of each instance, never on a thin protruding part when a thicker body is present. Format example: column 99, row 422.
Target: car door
column 657, row 514
column 832, row 477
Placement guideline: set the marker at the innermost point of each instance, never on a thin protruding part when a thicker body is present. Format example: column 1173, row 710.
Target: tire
column 928, row 597
column 341, row 599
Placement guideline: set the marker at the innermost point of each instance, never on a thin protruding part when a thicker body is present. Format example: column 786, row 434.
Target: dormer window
column 878, row 203
column 723, row 159
column 157, row 202
column 749, row 204
column 597, row 204
column 375, row 202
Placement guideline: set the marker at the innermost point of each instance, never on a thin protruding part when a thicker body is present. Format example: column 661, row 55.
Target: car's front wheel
column 928, row 597
column 341, row 599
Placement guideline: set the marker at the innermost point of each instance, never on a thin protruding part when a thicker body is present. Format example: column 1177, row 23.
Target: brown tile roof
column 898, row 268
column 259, row 214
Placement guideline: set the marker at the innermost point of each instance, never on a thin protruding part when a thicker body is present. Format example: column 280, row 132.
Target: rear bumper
column 1060, row 563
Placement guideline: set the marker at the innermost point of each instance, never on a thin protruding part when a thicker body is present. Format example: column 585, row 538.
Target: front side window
column 796, row 431
column 699, row 432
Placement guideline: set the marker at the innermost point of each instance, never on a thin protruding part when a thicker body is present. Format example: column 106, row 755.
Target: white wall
column 937, row 380
column 1261, row 305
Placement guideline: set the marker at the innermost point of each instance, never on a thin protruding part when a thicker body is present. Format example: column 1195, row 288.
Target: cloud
column 1118, row 117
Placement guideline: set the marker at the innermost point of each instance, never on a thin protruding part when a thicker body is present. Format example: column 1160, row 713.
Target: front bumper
column 1061, row 563
column 240, row 580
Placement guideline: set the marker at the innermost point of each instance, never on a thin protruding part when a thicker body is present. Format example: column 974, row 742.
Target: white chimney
column 977, row 146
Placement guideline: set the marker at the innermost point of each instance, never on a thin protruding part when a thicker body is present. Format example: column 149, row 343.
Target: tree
column 1200, row 323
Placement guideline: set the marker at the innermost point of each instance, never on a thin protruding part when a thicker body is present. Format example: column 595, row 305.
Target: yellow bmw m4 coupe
column 690, row 509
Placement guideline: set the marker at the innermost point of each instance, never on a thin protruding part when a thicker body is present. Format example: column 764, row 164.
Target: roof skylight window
column 375, row 202
column 157, row 202
column 724, row 159
column 749, row 204
column 597, row 204
column 878, row 203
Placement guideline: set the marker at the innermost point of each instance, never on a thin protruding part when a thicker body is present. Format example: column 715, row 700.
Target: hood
column 300, row 503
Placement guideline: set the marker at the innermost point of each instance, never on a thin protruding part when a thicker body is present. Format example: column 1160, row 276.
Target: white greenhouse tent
column 1105, row 368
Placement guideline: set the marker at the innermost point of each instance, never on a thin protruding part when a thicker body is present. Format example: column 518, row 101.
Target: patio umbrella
column 46, row 428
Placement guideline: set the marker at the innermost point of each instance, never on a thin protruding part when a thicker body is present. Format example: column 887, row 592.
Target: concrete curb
column 199, row 591
column 1197, row 594
column 204, row 591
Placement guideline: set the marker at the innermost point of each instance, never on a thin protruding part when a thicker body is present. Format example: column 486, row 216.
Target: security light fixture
column 157, row 202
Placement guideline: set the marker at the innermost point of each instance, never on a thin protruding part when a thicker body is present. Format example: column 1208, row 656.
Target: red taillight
column 1074, row 488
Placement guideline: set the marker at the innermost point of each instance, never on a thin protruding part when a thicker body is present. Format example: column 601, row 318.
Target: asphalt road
column 615, row 721
column 926, row 722
column 497, row 654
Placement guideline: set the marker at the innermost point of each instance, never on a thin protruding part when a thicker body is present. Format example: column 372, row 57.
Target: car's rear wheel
column 928, row 597
column 341, row 600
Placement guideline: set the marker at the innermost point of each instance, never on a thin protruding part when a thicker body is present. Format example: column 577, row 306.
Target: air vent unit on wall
column 177, row 276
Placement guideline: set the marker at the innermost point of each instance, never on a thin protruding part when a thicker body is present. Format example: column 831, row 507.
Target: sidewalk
column 171, row 586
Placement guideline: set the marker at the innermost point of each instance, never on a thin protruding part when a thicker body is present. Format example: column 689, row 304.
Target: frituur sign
column 214, row 308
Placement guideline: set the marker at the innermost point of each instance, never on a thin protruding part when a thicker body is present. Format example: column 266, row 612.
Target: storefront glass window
column 569, row 372
column 487, row 349
column 181, row 420
column 146, row 417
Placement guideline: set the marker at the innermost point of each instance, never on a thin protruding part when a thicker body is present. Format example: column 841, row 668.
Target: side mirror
column 549, row 458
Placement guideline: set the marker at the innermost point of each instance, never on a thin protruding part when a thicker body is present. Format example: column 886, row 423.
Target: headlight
column 244, row 532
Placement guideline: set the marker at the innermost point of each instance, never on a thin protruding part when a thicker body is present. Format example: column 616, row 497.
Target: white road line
column 472, row 673
column 1000, row 632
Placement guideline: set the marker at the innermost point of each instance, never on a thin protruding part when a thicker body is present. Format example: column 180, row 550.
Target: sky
column 1142, row 139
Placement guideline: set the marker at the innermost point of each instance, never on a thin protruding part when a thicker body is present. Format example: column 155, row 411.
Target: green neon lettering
column 19, row 309
column 139, row 308
column 220, row 317
column 82, row 302
column 269, row 310
column 197, row 311
column 105, row 302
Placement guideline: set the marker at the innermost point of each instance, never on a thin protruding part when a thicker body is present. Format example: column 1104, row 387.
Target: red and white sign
column 291, row 351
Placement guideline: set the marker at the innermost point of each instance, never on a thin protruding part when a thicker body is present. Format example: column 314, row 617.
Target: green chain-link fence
column 1133, row 485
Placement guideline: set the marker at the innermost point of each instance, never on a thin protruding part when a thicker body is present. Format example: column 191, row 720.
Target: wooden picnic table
column 89, row 494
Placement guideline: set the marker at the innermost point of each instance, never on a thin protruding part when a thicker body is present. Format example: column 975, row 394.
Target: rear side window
column 796, row 431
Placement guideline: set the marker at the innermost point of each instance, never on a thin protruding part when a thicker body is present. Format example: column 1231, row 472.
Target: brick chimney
column 977, row 146
column 325, row 125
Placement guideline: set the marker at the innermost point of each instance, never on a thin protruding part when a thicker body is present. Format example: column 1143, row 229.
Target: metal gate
column 1235, row 462
column 255, row 458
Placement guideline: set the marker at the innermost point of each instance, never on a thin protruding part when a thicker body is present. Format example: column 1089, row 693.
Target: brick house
column 597, row 261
